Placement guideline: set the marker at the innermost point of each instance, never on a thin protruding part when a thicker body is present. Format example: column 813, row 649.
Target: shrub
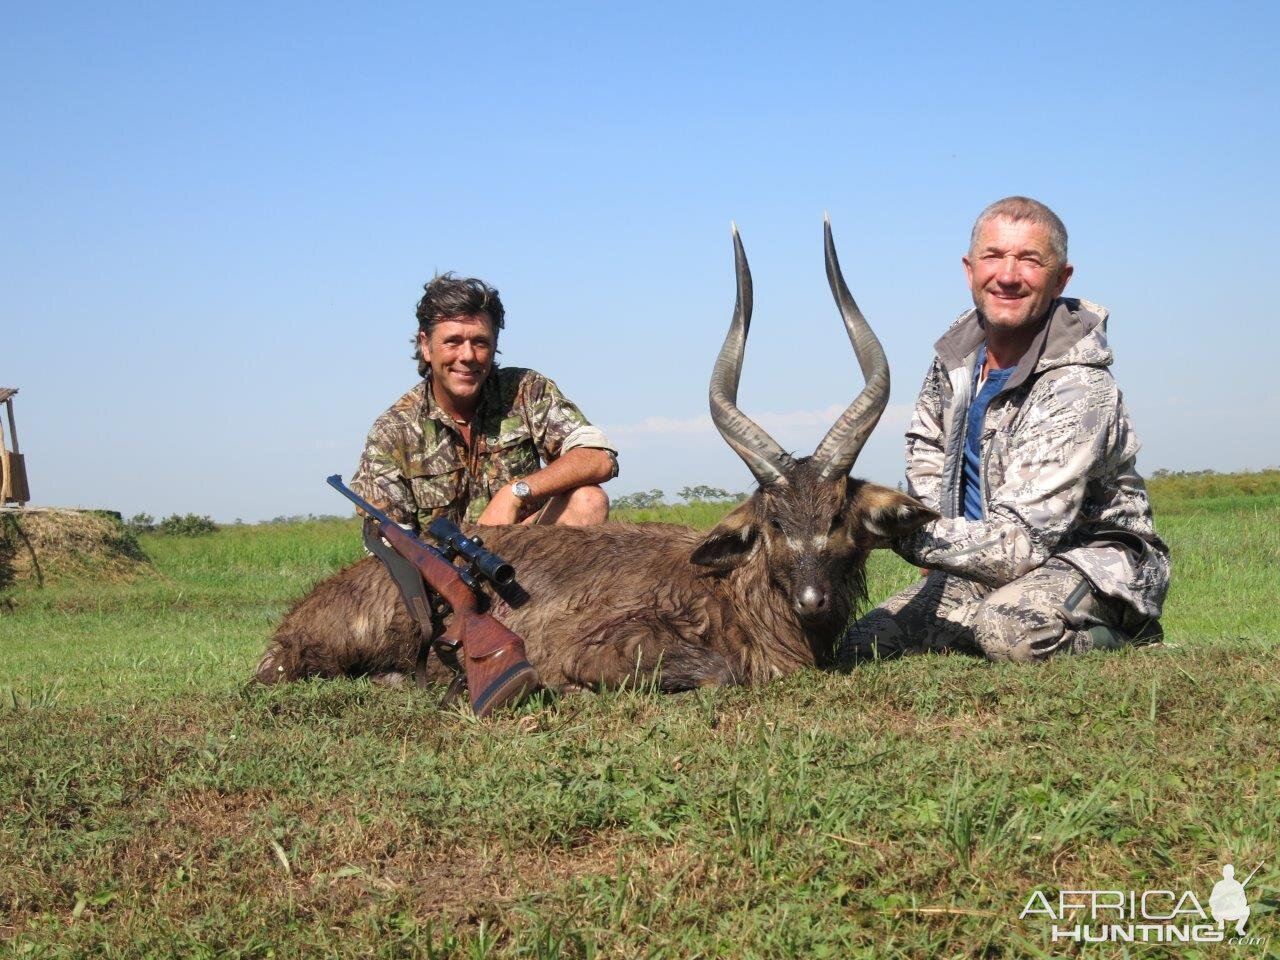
column 189, row 525
column 140, row 523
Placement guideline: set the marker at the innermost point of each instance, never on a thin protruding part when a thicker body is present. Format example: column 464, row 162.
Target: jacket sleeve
column 379, row 477
column 925, row 441
column 556, row 425
column 1066, row 431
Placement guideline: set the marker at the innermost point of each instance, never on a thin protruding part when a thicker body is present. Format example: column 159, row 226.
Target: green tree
column 640, row 499
column 704, row 494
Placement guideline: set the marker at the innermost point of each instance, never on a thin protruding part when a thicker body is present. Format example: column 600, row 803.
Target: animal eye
column 836, row 521
column 775, row 523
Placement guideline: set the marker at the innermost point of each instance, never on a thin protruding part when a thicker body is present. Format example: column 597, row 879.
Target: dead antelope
column 766, row 592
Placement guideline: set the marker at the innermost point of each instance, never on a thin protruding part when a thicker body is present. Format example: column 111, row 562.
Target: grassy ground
column 151, row 804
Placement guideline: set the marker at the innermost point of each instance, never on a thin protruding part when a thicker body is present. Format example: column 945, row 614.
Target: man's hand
column 502, row 509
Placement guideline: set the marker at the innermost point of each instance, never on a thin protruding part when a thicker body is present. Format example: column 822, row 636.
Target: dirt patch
column 463, row 881
column 345, row 865
column 348, row 858
column 46, row 545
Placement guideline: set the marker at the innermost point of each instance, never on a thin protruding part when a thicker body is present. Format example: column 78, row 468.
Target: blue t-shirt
column 970, row 484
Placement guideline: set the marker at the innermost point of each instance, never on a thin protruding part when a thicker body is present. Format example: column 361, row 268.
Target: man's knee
column 585, row 506
column 1024, row 623
column 1019, row 634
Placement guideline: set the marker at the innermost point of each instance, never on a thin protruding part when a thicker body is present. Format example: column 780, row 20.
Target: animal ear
column 886, row 514
column 731, row 541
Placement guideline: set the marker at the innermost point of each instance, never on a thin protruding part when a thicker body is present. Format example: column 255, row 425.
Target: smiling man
column 1021, row 441
column 476, row 441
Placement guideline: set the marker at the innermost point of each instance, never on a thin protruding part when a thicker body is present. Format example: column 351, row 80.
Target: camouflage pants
column 1051, row 610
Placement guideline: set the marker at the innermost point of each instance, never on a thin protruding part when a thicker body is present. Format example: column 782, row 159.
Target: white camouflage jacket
column 1058, row 477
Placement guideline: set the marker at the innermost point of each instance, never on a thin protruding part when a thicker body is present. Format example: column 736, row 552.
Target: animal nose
column 809, row 601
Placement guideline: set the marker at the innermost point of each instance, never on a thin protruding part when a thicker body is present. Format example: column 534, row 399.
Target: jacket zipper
column 955, row 442
column 985, row 439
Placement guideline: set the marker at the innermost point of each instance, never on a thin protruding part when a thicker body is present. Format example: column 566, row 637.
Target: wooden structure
column 13, row 470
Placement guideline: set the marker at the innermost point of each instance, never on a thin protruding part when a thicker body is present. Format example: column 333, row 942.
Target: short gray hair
column 1024, row 208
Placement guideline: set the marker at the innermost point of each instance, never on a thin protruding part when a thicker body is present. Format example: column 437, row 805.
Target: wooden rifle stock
column 493, row 657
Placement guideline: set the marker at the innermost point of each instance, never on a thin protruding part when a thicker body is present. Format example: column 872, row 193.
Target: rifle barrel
column 335, row 481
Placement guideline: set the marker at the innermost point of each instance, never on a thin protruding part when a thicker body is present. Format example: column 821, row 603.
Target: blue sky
column 217, row 219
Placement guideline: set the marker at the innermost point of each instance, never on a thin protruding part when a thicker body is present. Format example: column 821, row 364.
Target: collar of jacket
column 1070, row 321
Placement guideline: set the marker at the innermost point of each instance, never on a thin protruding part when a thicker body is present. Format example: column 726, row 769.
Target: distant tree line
column 304, row 518
column 700, row 493
column 1165, row 472
column 193, row 525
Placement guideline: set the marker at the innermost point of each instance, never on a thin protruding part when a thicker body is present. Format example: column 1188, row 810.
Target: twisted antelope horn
column 844, row 441
column 766, row 460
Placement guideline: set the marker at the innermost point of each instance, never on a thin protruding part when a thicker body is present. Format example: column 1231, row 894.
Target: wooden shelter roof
column 6, row 393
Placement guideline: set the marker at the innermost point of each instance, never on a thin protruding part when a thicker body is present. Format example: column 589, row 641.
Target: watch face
column 520, row 489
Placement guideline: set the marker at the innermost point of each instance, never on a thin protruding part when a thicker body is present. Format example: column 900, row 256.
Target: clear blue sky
column 217, row 219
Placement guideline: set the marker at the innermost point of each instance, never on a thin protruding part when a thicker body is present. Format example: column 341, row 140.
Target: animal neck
column 779, row 642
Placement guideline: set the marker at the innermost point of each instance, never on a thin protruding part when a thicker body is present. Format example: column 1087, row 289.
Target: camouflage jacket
column 416, row 465
column 1058, row 476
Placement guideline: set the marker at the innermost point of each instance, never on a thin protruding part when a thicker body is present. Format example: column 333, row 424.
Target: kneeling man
column 1020, row 439
column 476, row 441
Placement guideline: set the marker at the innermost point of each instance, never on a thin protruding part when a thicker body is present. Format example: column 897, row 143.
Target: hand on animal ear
column 887, row 514
column 731, row 541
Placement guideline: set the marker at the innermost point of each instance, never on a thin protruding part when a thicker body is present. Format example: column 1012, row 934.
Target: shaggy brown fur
column 763, row 594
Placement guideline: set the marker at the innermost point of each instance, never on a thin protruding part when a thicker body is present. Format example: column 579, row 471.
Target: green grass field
column 153, row 805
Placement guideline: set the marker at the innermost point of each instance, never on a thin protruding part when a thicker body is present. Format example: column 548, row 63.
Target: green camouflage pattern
column 1050, row 611
column 1059, row 476
column 416, row 466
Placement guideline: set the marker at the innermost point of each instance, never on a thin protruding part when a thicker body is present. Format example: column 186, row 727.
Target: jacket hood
column 1076, row 335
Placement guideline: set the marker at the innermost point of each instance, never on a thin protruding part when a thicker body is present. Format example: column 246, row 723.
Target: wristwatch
column 521, row 490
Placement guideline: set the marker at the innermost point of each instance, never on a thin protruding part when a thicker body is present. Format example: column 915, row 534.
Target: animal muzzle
column 811, row 601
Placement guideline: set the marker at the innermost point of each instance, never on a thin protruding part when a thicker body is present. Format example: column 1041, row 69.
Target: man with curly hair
column 476, row 441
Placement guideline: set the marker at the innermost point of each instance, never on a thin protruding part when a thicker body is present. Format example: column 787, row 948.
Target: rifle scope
column 489, row 565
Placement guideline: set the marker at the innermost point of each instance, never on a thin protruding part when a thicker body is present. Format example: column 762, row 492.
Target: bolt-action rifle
column 492, row 657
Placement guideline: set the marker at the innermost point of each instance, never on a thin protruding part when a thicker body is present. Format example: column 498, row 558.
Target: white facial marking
column 795, row 545
column 819, row 542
